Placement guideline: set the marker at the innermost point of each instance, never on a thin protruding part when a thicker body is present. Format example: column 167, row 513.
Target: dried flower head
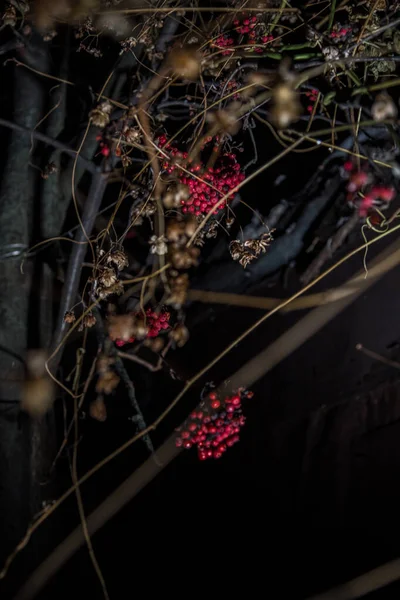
column 235, row 248
column 117, row 289
column 69, row 316
column 158, row 245
column 100, row 115
column 118, row 258
column 89, row 320
column 383, row 108
column 107, row 277
column 132, row 135
column 49, row 169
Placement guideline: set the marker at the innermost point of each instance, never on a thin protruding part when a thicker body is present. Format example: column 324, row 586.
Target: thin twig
column 91, row 167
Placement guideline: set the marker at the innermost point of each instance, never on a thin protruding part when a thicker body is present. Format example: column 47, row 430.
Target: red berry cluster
column 312, row 96
column 208, row 187
column 254, row 32
column 340, row 33
column 362, row 191
column 224, row 41
column 214, row 426
column 154, row 322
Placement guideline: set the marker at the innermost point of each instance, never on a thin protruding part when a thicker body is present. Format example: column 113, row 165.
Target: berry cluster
column 340, row 33
column 155, row 323
column 224, row 43
column 214, row 426
column 312, row 96
column 254, row 32
column 362, row 191
column 206, row 188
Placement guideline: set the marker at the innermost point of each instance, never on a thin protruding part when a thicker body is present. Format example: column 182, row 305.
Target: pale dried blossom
column 49, row 169
column 245, row 258
column 117, row 289
column 330, row 53
column 118, row 258
column 158, row 245
column 107, row 277
column 87, row 322
column 246, row 252
column 132, row 135
column 128, row 44
column 69, row 317
column 212, row 231
column 235, row 248
column 100, row 116
column 149, row 208
column 383, row 108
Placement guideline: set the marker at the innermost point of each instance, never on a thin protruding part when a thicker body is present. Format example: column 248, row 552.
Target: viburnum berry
column 155, row 323
column 207, row 187
column 216, row 427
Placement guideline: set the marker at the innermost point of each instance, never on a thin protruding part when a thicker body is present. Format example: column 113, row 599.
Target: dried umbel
column 132, row 135
column 121, row 327
column 383, row 108
column 105, row 292
column 185, row 62
column 88, row 321
column 158, row 245
column 69, row 317
column 107, row 277
column 100, row 116
column 246, row 252
column 49, row 169
column 118, row 258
